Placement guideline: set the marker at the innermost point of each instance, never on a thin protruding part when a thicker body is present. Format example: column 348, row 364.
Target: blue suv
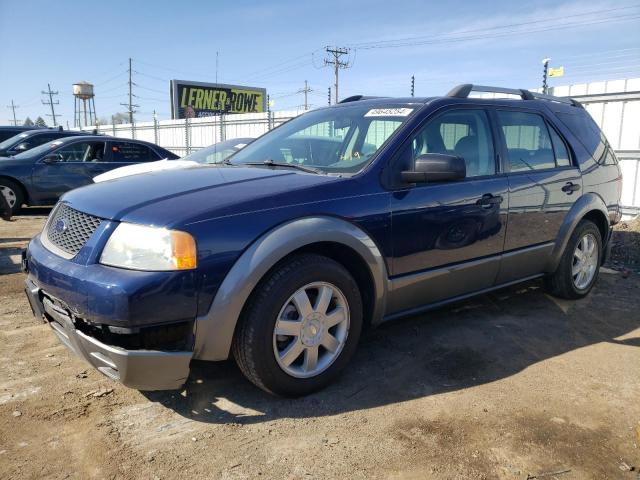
column 347, row 216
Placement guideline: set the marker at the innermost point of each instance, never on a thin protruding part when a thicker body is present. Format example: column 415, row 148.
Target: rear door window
column 130, row 152
column 527, row 140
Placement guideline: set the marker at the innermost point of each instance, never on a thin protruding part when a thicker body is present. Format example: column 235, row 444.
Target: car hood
column 144, row 168
column 182, row 196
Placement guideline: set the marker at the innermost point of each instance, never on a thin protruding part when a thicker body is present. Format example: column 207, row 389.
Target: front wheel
column 580, row 263
column 300, row 327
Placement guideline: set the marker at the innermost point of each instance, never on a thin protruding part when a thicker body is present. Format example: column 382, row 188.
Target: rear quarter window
column 585, row 129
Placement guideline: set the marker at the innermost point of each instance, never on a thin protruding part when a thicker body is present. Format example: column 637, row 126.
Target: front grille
column 69, row 229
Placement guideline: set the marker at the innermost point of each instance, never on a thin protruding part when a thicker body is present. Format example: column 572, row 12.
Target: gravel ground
column 513, row 385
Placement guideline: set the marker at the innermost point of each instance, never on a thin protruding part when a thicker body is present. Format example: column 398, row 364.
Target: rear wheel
column 301, row 326
column 580, row 263
column 12, row 192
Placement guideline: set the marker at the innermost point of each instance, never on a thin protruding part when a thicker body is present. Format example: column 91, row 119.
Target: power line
column 51, row 103
column 336, row 53
column 456, row 37
column 13, row 109
column 441, row 38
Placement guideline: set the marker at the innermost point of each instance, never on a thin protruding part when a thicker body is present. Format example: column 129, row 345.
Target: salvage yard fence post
column 187, row 135
column 222, row 135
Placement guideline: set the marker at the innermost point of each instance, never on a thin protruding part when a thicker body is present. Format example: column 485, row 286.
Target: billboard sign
column 198, row 99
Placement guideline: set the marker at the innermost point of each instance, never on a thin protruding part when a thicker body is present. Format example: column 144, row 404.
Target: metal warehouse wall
column 615, row 106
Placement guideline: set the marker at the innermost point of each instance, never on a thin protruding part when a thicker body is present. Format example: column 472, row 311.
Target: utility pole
column 13, row 109
column 545, row 72
column 336, row 53
column 51, row 103
column 329, row 97
column 413, row 85
column 306, row 91
column 130, row 106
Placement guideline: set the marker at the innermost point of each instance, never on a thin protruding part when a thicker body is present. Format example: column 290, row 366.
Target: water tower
column 84, row 105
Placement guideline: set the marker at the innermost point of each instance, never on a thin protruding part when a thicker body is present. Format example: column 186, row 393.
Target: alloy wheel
column 585, row 261
column 311, row 330
column 9, row 195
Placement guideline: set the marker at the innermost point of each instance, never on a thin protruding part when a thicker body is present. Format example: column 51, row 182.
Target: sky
column 279, row 44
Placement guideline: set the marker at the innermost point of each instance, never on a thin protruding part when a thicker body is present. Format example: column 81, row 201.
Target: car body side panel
column 214, row 330
column 586, row 203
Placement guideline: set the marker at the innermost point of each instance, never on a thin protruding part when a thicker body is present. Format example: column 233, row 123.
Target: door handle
column 570, row 187
column 488, row 199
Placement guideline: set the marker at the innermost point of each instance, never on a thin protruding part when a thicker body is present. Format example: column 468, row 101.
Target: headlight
column 148, row 248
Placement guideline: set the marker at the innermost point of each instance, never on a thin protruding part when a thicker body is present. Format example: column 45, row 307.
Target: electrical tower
column 51, row 103
column 336, row 53
column 413, row 85
column 13, row 109
column 130, row 106
column 306, row 90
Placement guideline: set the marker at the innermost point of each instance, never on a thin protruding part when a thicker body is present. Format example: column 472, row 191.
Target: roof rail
column 355, row 98
column 463, row 91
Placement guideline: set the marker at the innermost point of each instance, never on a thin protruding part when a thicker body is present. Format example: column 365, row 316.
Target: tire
column 564, row 283
column 260, row 352
column 12, row 193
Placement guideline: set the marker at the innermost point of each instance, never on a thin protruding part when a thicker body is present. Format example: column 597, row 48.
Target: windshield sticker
column 389, row 112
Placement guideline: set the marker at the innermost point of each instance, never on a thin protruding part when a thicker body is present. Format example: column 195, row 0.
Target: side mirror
column 51, row 158
column 21, row 147
column 436, row 167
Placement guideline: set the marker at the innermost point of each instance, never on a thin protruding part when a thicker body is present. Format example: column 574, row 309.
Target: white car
column 213, row 154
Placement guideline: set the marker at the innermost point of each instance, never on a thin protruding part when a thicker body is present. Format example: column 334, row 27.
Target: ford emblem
column 60, row 226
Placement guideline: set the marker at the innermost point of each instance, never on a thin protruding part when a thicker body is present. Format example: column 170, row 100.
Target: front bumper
column 139, row 369
column 74, row 298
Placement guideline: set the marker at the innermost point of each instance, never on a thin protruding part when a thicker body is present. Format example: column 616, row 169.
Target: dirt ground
column 511, row 385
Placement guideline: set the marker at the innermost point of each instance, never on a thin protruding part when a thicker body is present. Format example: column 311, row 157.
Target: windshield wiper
column 271, row 163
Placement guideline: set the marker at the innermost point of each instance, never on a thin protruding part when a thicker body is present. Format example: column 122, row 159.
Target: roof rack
column 355, row 98
column 463, row 91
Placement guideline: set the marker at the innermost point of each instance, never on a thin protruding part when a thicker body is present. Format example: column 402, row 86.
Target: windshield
column 332, row 140
column 39, row 150
column 218, row 152
column 11, row 141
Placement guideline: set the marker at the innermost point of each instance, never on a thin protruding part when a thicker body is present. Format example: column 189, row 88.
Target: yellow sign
column 197, row 99
column 556, row 72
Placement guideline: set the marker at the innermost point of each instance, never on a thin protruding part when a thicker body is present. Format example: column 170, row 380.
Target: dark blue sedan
column 41, row 175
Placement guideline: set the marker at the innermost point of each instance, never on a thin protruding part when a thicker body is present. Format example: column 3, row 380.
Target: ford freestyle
column 343, row 217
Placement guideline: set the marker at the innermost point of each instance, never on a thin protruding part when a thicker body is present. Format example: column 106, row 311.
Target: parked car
column 212, row 154
column 7, row 131
column 25, row 141
column 40, row 175
column 280, row 256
